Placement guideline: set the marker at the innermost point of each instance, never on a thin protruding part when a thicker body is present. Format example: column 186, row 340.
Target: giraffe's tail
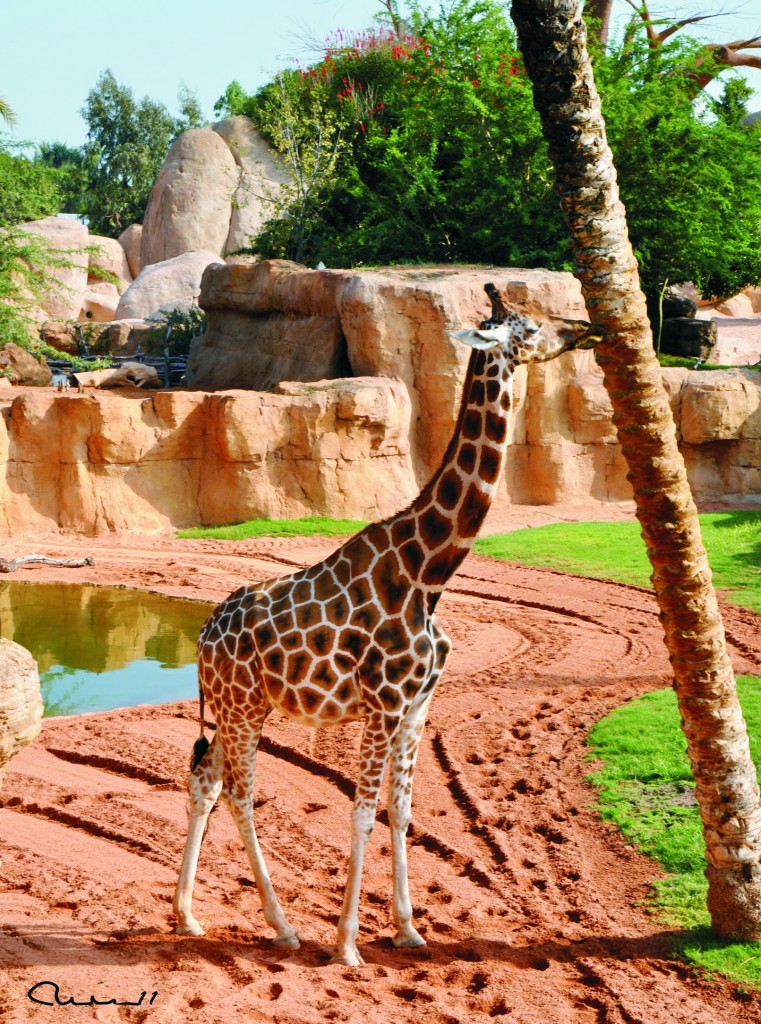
column 201, row 745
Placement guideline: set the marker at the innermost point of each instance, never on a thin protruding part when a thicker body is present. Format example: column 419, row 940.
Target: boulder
column 69, row 239
column 739, row 306
column 125, row 337
column 754, row 295
column 134, row 375
column 21, row 704
column 110, row 257
column 720, row 406
column 260, row 179
column 61, row 334
column 100, row 302
column 190, row 204
column 161, row 284
column 131, row 240
column 684, row 336
column 23, row 367
column 266, row 323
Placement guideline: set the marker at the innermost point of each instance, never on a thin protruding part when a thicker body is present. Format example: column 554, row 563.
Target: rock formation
column 131, row 240
column 22, row 367
column 21, row 705
column 99, row 462
column 212, row 193
column 69, row 238
column 168, row 283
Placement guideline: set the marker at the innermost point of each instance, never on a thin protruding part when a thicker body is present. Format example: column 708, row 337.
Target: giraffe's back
column 322, row 644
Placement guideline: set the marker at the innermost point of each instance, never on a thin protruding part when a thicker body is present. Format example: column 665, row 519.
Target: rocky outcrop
column 102, row 462
column 108, row 256
column 277, row 320
column 21, row 705
column 168, row 283
column 131, row 240
column 212, row 192
column 268, row 322
column 100, row 302
column 260, row 178
column 22, row 367
column 69, row 239
column 190, row 203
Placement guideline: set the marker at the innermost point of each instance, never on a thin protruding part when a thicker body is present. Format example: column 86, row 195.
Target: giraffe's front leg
column 376, row 743
column 403, row 757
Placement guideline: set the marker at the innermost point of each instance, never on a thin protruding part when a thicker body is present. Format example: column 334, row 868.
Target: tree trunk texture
column 553, row 43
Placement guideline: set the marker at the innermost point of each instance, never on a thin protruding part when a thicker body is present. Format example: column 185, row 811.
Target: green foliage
column 307, row 527
column 127, row 143
column 28, row 191
column 177, row 328
column 646, row 788
column 438, row 153
column 615, row 551
column 691, row 183
column 71, row 173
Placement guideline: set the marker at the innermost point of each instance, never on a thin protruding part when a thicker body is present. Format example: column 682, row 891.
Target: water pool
column 99, row 648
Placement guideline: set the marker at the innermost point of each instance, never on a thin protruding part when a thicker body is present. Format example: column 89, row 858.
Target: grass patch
column 688, row 362
column 307, row 527
column 646, row 788
column 615, row 551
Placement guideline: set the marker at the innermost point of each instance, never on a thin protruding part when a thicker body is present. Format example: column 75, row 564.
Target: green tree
column 127, row 142
column 71, row 172
column 442, row 158
column 28, row 192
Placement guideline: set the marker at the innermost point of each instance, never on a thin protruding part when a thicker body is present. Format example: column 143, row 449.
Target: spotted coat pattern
column 355, row 637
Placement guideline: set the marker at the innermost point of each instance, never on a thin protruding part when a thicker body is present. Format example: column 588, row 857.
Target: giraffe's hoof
column 191, row 927
column 349, row 958
column 408, row 939
column 287, row 941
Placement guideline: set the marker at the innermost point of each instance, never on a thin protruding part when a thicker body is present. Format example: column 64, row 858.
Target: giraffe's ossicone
column 356, row 637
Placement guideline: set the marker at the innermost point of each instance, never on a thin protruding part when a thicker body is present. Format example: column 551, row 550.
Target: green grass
column 688, row 362
column 615, row 551
column 308, row 527
column 646, row 788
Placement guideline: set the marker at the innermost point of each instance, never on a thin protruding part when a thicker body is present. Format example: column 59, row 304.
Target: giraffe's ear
column 479, row 339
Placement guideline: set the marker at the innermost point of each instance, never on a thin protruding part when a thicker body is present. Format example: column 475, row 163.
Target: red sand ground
column 528, row 902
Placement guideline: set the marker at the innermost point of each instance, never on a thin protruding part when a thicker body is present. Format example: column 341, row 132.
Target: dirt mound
column 527, row 901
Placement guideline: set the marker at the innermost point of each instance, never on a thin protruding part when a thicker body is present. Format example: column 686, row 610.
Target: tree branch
column 11, row 565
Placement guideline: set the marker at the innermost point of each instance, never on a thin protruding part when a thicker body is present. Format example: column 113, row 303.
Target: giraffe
column 355, row 637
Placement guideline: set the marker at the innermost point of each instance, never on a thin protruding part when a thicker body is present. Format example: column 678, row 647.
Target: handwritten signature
column 54, row 998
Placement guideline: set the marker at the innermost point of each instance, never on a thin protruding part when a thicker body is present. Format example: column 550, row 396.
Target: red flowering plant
column 431, row 120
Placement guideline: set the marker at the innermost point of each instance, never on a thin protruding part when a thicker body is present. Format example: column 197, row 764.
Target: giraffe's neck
column 436, row 532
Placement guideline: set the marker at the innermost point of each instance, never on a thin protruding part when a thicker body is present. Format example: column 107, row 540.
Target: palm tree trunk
column 553, row 43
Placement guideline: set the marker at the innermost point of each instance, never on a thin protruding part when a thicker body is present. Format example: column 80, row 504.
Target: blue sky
column 52, row 51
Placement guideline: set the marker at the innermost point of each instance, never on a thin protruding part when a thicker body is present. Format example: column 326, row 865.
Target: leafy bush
column 422, row 144
column 176, row 330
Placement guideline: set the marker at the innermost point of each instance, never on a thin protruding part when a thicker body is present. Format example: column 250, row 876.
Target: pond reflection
column 103, row 647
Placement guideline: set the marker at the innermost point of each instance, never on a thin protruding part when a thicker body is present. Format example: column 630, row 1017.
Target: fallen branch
column 11, row 565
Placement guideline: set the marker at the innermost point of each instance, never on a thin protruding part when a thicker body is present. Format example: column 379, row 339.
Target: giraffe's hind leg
column 204, row 785
column 403, row 757
column 240, row 757
column 374, row 751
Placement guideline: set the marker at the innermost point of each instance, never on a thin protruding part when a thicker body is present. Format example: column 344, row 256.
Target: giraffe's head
column 521, row 339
